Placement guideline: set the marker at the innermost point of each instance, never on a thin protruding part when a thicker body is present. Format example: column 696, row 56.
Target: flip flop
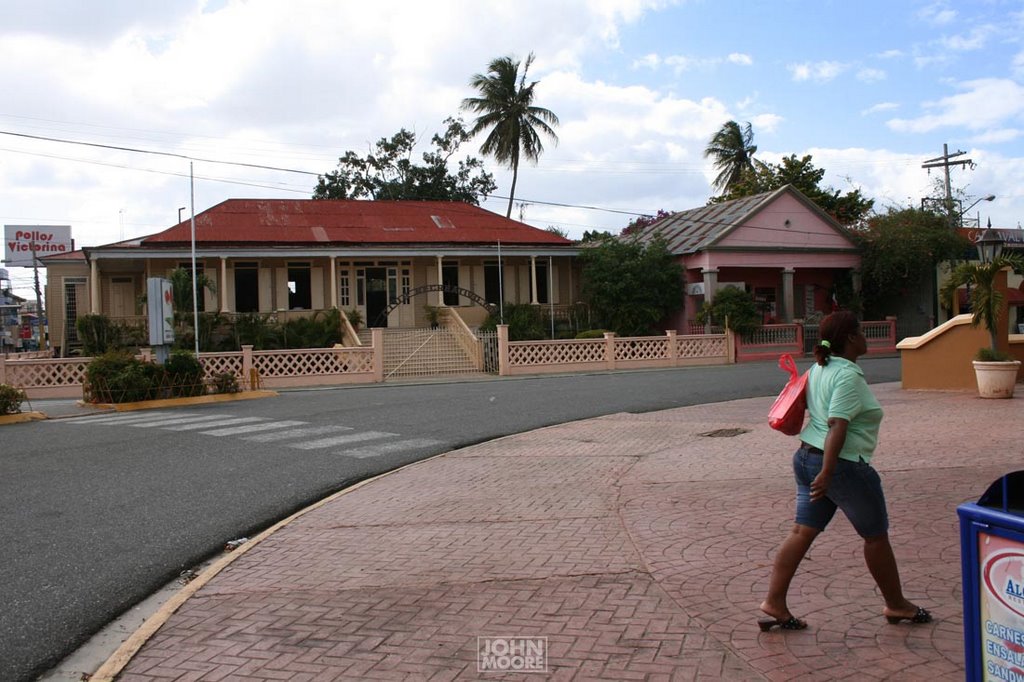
column 921, row 616
column 791, row 623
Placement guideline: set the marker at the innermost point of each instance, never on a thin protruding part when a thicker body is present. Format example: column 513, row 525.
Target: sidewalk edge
column 113, row 666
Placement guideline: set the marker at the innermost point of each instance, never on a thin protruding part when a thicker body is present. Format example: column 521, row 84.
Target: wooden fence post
column 503, row 368
column 609, row 349
column 247, row 368
column 673, row 351
column 377, row 341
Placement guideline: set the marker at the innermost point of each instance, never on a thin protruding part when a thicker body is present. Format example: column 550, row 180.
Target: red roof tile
column 308, row 221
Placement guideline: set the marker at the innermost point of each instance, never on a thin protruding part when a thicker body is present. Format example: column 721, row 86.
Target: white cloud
column 817, row 71
column 938, row 14
column 740, row 59
column 997, row 136
column 868, row 75
column 648, row 61
column 890, row 54
column 985, row 104
column 881, row 106
column 1018, row 64
column 976, row 39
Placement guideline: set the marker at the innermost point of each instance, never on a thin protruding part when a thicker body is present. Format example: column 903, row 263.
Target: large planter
column 996, row 379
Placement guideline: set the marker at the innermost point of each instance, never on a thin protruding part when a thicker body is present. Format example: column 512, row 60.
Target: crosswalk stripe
column 232, row 431
column 125, row 418
column 157, row 422
column 341, row 440
column 388, row 448
column 223, row 422
column 296, row 433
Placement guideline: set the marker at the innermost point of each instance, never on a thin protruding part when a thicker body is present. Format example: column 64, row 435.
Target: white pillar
column 334, row 281
column 710, row 287
column 440, row 281
column 533, row 280
column 94, row 286
column 224, row 284
column 787, row 295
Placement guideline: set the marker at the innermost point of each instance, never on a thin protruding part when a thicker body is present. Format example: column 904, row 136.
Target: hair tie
column 826, row 343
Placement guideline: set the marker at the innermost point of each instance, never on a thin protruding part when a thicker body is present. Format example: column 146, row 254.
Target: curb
column 113, row 666
column 21, row 417
column 175, row 402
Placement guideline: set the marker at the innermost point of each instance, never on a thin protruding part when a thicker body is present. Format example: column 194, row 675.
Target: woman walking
column 833, row 470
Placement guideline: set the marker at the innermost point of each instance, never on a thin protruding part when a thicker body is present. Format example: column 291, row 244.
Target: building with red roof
column 382, row 258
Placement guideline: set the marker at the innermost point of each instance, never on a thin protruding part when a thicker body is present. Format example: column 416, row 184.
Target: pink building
column 779, row 246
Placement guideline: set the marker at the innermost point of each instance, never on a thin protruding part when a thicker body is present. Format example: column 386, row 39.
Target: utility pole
column 39, row 299
column 945, row 162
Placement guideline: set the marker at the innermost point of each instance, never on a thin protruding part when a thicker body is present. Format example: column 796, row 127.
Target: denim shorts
column 855, row 488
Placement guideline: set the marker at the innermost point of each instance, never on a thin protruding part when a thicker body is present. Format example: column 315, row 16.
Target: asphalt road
column 96, row 513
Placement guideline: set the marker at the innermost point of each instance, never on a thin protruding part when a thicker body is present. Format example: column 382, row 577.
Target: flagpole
column 195, row 294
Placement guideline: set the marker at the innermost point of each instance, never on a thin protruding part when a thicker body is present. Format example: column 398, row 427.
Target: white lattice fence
column 52, row 373
column 575, row 351
column 220, row 363
column 700, row 346
column 313, row 362
column 641, row 349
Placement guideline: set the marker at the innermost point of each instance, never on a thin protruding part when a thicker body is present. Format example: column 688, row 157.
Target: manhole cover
column 725, row 433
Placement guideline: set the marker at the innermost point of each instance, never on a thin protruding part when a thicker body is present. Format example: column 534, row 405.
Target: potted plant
column 433, row 315
column 355, row 317
column 995, row 370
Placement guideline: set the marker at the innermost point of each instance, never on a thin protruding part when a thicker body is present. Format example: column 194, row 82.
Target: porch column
column 855, row 276
column 533, row 280
column 94, row 286
column 333, row 279
column 224, row 284
column 440, row 282
column 787, row 294
column 710, row 287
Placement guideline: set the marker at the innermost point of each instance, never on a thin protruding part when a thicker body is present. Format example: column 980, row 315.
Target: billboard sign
column 160, row 307
column 24, row 243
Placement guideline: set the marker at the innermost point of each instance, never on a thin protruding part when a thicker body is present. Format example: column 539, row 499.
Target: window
column 492, row 282
column 392, row 285
column 345, row 291
column 542, row 282
column 72, row 285
column 300, row 289
column 405, row 283
column 450, row 278
column 247, row 287
column 360, row 287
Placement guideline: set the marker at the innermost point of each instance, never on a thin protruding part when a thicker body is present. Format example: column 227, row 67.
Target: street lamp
column 990, row 245
column 990, row 197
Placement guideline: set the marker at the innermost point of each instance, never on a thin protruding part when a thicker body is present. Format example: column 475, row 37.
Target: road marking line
column 251, row 427
column 297, row 433
column 164, row 421
column 222, row 422
column 123, row 418
column 388, row 448
column 340, row 440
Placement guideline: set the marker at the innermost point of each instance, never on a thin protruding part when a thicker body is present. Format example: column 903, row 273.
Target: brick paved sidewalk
column 637, row 545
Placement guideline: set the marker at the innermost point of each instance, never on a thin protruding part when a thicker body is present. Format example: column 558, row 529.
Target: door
column 122, row 294
column 376, row 296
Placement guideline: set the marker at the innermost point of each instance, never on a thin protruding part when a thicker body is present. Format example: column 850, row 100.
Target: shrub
column 592, row 334
column 225, row 382
column 525, row 322
column 184, row 374
column 986, row 354
column 736, row 306
column 11, row 399
column 118, row 377
column 97, row 333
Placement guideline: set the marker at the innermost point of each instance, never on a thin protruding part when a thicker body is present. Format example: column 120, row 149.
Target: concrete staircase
column 418, row 353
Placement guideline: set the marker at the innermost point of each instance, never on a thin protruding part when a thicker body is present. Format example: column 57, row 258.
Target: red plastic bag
column 787, row 413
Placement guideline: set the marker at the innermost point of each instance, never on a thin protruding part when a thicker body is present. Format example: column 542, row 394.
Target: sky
column 871, row 90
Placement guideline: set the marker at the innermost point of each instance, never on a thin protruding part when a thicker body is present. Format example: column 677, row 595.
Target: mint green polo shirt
column 839, row 390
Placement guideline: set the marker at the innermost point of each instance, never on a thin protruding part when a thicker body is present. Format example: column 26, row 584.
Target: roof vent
column 442, row 223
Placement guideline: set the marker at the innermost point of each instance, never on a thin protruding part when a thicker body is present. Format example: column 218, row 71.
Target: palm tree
column 506, row 111
column 733, row 150
column 986, row 300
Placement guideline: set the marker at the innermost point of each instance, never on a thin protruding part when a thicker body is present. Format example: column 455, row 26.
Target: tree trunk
column 512, row 192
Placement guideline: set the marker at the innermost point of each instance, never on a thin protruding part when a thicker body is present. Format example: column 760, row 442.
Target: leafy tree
column 638, row 224
column 389, row 173
column 848, row 209
column 561, row 232
column 732, row 149
column 735, row 306
column 900, row 249
column 505, row 110
column 631, row 286
column 591, row 236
